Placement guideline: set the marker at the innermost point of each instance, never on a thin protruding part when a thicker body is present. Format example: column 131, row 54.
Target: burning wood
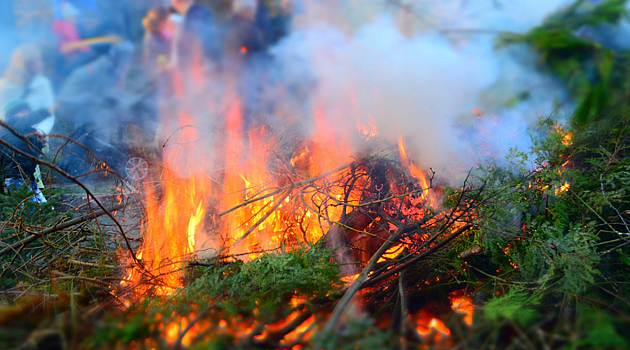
column 373, row 213
column 380, row 216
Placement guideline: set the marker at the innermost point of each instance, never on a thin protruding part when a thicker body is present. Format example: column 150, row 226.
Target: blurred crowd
column 105, row 64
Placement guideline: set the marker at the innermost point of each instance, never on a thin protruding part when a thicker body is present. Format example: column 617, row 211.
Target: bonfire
column 380, row 216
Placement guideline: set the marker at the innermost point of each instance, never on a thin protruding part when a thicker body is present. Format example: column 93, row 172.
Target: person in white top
column 24, row 80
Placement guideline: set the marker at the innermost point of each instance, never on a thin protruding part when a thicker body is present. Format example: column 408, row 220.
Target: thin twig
column 289, row 186
column 419, row 257
column 23, row 137
column 83, row 263
column 87, row 191
column 61, row 226
column 263, row 218
column 279, row 333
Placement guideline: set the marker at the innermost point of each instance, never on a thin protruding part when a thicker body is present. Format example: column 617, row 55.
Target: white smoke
column 420, row 68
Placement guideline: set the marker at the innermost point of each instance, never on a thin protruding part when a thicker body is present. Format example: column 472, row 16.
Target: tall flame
column 250, row 205
column 427, row 196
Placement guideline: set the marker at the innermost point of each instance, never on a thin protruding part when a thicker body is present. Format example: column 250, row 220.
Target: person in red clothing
column 65, row 28
column 72, row 52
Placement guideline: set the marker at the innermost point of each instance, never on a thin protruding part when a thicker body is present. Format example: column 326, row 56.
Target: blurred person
column 156, row 43
column 72, row 51
column 247, row 60
column 198, row 41
column 95, row 83
column 173, row 24
column 273, row 17
column 114, row 18
column 97, row 94
column 17, row 169
column 243, row 38
column 24, row 80
column 65, row 27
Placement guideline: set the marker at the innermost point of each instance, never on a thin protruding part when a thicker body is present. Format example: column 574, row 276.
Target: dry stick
column 10, row 263
column 90, row 153
column 36, row 235
column 616, row 296
column 420, row 256
column 275, row 335
column 174, row 132
column 66, row 277
column 522, row 335
column 280, row 189
column 23, row 137
column 58, row 253
column 358, row 282
column 279, row 333
column 248, row 338
column 262, row 219
column 87, row 191
column 625, row 223
column 83, row 263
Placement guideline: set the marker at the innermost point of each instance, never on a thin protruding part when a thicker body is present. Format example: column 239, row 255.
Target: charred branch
column 418, row 257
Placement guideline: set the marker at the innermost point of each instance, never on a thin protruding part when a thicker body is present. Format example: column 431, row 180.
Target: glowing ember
column 563, row 188
column 392, row 252
column 350, row 278
column 431, row 328
column 566, row 135
column 462, row 304
column 184, row 327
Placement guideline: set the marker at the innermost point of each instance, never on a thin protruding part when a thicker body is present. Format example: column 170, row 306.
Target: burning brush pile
column 284, row 253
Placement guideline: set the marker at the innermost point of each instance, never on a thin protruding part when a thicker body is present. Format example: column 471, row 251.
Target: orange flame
column 462, row 304
column 563, row 188
column 567, row 136
column 431, row 328
column 256, row 213
column 427, row 196
column 369, row 129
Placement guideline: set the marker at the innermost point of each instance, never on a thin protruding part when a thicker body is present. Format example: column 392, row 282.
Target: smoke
column 425, row 71
column 9, row 37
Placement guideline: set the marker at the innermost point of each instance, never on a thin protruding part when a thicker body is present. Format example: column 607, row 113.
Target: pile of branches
column 383, row 206
column 57, row 256
column 384, row 209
